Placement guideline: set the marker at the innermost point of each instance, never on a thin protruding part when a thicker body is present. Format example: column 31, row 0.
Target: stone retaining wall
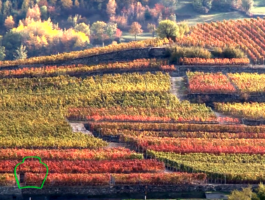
column 235, row 97
column 126, row 55
column 182, row 69
column 119, row 189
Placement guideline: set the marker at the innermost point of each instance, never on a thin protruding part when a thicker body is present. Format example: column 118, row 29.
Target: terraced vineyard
column 167, row 141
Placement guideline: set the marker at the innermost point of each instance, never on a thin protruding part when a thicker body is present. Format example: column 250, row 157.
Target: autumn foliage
column 70, row 154
column 200, row 82
column 120, row 179
column 248, row 34
column 81, row 166
column 138, row 64
column 214, row 61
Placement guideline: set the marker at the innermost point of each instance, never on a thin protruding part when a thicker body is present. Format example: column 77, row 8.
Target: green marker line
column 36, row 187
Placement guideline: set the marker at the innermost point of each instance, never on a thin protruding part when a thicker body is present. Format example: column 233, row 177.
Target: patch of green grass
column 185, row 8
column 258, row 10
column 128, row 37
column 216, row 17
column 186, row 12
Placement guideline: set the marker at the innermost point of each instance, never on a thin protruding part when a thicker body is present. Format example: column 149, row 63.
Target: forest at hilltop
column 44, row 27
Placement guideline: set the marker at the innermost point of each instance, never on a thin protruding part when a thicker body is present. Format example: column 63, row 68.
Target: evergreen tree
column 44, row 13
column 21, row 53
column 11, row 41
column 2, row 53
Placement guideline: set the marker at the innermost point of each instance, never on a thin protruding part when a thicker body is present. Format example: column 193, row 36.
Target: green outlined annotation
column 36, row 187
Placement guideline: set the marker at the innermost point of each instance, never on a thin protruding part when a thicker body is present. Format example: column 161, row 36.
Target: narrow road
column 178, row 88
column 117, row 144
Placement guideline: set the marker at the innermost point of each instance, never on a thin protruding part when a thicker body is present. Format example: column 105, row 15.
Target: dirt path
column 79, row 127
column 217, row 114
column 117, row 144
column 178, row 88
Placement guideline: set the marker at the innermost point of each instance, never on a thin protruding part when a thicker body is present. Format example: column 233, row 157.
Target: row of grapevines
column 7, row 179
column 230, row 172
column 81, row 166
column 32, row 123
column 98, row 99
column 177, row 134
column 64, row 84
column 128, row 118
column 195, row 145
column 216, row 83
column 214, row 61
column 69, row 141
column 151, row 64
column 248, row 82
column 248, row 34
column 183, row 111
column 118, row 153
column 177, row 127
column 127, row 179
column 210, row 157
column 252, row 110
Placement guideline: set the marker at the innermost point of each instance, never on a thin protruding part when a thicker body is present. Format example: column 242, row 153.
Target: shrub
column 223, row 5
column 231, row 52
column 202, row 6
column 217, row 52
column 188, row 52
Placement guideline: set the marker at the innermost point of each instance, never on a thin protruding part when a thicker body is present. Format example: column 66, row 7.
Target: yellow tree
column 136, row 29
column 67, row 4
column 38, row 34
column 9, row 22
column 111, row 8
